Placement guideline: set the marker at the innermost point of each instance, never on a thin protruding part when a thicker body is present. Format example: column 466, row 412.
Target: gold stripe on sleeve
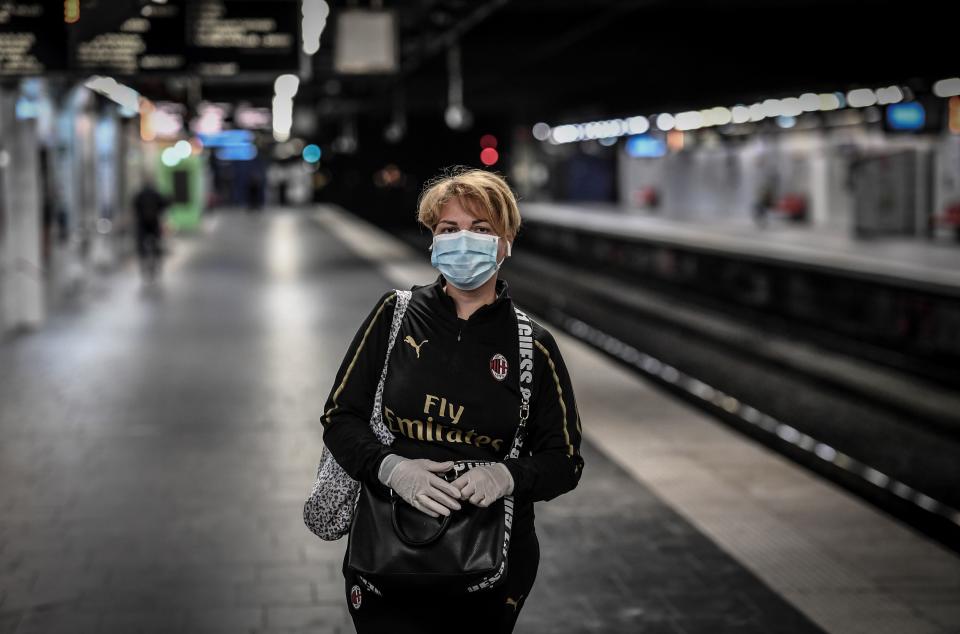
column 563, row 406
column 356, row 355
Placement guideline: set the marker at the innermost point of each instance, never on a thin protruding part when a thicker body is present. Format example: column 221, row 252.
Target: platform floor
column 158, row 444
column 890, row 259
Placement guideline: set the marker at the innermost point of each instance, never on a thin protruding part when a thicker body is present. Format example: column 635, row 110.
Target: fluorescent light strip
column 947, row 87
column 121, row 94
column 315, row 14
column 708, row 394
column 285, row 88
column 738, row 114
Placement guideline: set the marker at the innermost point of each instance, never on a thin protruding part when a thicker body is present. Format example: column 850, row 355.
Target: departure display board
column 128, row 38
column 26, row 45
column 228, row 37
column 110, row 42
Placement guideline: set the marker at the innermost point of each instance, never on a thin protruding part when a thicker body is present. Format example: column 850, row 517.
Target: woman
column 451, row 393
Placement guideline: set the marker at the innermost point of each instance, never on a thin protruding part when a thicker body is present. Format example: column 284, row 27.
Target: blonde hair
column 482, row 193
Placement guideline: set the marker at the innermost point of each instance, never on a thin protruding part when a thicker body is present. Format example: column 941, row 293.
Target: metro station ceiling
column 563, row 59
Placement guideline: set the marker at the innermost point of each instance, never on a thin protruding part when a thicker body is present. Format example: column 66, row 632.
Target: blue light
column 246, row 152
column 906, row 116
column 786, row 122
column 645, row 146
column 311, row 153
column 27, row 108
column 227, row 138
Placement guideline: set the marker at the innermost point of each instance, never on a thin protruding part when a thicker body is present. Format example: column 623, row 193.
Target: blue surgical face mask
column 465, row 258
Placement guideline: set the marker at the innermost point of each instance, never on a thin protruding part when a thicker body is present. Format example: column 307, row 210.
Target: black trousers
column 148, row 237
column 491, row 612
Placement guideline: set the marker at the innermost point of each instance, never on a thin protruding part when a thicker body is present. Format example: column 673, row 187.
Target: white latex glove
column 415, row 482
column 485, row 485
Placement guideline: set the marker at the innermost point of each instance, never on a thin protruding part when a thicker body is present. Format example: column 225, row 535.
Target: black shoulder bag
column 394, row 546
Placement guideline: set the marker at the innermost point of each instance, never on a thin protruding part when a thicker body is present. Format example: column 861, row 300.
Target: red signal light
column 488, row 141
column 489, row 156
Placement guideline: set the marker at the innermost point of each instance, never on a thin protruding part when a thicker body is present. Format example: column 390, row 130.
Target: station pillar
column 21, row 264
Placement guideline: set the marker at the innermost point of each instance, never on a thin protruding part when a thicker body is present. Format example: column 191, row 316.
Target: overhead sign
column 153, row 40
column 644, row 146
column 228, row 37
column 227, row 138
column 906, row 116
column 196, row 37
column 28, row 44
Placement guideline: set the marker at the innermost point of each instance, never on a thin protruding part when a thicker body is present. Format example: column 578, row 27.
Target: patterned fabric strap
column 328, row 511
column 525, row 336
column 383, row 434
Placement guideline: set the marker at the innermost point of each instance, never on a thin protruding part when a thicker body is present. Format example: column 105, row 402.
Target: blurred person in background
column 255, row 191
column 764, row 201
column 456, row 368
column 149, row 206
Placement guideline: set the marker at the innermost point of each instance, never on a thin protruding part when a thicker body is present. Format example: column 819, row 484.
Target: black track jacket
column 452, row 393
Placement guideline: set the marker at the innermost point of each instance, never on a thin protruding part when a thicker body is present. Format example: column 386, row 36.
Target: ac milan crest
column 355, row 597
column 498, row 367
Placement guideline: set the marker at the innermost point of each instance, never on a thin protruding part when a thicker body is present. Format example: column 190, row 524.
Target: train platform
column 900, row 261
column 159, row 441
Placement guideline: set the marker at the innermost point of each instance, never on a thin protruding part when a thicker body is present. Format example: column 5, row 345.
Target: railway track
column 891, row 438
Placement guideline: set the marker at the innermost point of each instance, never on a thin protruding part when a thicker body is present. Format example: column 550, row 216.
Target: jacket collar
column 436, row 294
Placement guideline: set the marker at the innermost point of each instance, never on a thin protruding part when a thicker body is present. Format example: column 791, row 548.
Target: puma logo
column 413, row 343
column 515, row 604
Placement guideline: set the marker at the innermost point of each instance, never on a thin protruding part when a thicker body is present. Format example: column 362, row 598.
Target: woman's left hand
column 482, row 486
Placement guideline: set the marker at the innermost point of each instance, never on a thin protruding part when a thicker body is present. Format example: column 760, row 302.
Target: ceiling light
column 830, row 101
column 771, row 108
column 947, row 87
column 861, row 98
column 566, row 134
column 741, row 114
column 665, row 121
column 286, row 85
column 809, row 102
column 637, row 125
column 790, row 107
column 720, row 115
column 889, row 95
column 691, row 120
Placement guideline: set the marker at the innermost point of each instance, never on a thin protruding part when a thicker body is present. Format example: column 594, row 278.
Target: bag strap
column 403, row 299
column 442, row 526
column 525, row 337
column 383, row 434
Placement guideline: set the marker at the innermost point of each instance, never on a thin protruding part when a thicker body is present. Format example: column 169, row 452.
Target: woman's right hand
column 416, row 483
